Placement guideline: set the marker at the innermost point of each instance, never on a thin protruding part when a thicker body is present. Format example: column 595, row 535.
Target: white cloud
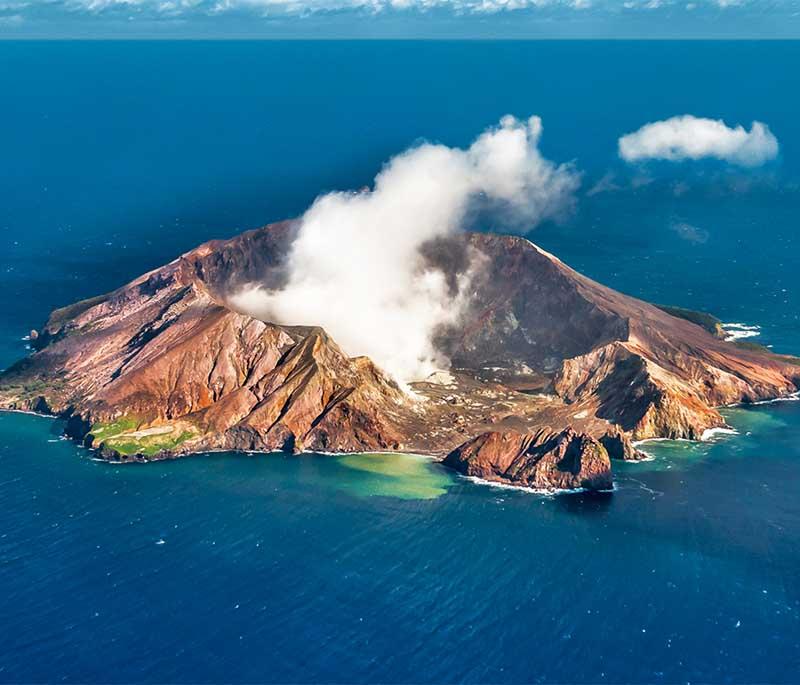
column 356, row 269
column 690, row 137
column 100, row 5
column 306, row 7
column 658, row 4
column 295, row 7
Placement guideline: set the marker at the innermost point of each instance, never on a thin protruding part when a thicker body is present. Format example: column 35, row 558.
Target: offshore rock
column 544, row 460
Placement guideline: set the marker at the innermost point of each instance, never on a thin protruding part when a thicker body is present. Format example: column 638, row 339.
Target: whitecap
column 740, row 331
column 27, row 411
column 793, row 397
column 542, row 492
column 637, row 443
column 711, row 433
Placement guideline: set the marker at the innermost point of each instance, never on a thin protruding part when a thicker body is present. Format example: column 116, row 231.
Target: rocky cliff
column 543, row 459
column 552, row 372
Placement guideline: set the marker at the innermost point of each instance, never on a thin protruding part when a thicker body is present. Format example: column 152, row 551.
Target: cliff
column 552, row 372
column 544, row 459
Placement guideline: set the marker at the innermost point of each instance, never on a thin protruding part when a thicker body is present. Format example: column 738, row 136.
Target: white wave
column 650, row 456
column 740, row 331
column 741, row 335
column 793, row 397
column 542, row 492
column 26, row 411
column 637, row 443
column 710, row 433
column 743, row 326
column 707, row 435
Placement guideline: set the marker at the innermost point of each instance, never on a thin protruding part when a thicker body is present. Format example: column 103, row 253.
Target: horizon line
column 397, row 39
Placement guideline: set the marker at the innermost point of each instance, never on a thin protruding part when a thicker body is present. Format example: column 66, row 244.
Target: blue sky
column 400, row 18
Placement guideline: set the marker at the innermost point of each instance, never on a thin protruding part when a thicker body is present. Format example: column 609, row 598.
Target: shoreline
column 541, row 492
column 29, row 412
column 707, row 437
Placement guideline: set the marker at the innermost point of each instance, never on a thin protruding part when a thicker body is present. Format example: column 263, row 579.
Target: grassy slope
column 120, row 436
column 711, row 323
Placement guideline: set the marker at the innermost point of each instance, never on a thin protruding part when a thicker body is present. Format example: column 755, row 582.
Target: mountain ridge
column 164, row 366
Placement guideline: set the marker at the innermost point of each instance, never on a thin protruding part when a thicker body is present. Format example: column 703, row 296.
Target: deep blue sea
column 116, row 157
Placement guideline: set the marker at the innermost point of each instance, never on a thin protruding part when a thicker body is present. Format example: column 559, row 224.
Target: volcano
column 552, row 377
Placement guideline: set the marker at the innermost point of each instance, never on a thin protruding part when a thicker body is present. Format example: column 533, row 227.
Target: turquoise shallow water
column 237, row 568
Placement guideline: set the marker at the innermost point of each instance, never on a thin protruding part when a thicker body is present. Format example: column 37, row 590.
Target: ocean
column 118, row 156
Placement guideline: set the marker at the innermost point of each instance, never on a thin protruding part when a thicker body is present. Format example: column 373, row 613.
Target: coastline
column 541, row 492
column 95, row 451
column 707, row 437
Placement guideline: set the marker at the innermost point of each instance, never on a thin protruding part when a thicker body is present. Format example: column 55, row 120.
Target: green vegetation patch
column 711, row 323
column 124, row 424
column 149, row 446
column 125, row 437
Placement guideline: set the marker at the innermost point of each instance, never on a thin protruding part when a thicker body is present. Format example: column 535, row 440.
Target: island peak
column 552, row 374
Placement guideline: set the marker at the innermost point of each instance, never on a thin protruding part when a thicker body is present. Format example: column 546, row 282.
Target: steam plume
column 356, row 269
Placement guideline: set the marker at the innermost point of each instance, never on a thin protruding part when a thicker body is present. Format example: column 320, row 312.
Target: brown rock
column 544, row 460
column 167, row 349
column 620, row 446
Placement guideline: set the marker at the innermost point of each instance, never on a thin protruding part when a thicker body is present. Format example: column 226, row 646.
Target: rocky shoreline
column 553, row 375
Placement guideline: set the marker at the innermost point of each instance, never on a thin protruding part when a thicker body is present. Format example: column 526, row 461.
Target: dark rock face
column 528, row 309
column 619, row 446
column 543, row 460
column 164, row 366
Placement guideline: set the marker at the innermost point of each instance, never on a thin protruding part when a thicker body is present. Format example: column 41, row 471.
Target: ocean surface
column 116, row 157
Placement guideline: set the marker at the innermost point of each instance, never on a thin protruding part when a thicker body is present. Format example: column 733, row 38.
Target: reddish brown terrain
column 552, row 374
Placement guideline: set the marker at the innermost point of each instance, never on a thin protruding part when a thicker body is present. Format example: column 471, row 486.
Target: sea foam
column 711, row 433
column 740, row 331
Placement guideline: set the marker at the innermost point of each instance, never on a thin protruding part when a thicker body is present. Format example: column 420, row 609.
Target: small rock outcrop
column 544, row 460
column 620, row 446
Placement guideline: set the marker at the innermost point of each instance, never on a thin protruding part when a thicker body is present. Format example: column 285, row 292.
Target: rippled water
column 388, row 568
column 243, row 568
